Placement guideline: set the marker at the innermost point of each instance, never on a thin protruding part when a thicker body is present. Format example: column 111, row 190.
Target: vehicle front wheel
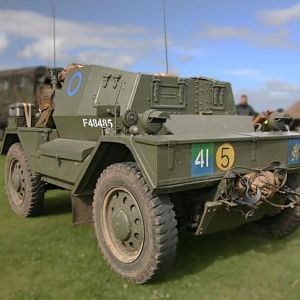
column 25, row 190
column 136, row 230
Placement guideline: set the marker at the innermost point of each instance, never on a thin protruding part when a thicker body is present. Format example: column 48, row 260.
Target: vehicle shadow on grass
column 195, row 254
column 57, row 202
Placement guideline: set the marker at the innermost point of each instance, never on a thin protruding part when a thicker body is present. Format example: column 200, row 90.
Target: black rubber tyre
column 282, row 224
column 24, row 189
column 157, row 221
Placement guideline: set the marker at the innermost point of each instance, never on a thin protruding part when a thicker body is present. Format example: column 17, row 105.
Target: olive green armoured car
column 144, row 156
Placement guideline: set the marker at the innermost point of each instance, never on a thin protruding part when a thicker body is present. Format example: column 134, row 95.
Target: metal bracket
column 253, row 149
column 58, row 160
column 210, row 209
column 156, row 82
column 181, row 92
column 105, row 80
column 171, row 154
column 46, row 134
column 116, row 78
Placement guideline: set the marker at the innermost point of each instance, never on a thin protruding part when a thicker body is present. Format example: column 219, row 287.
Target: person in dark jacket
column 244, row 109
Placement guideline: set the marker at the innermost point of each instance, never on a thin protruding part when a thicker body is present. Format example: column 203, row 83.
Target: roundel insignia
column 74, row 84
column 225, row 157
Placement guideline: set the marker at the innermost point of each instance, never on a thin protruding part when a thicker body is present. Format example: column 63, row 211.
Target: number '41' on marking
column 202, row 159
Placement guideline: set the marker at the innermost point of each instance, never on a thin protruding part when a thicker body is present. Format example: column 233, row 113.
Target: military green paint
column 202, row 117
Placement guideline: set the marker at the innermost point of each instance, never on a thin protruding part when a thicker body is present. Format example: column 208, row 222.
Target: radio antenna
column 165, row 35
column 54, row 34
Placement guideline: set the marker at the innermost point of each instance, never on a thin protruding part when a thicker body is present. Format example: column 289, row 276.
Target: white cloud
column 265, row 38
column 225, row 32
column 280, row 16
column 104, row 59
column 272, row 30
column 75, row 39
column 3, row 42
column 281, row 38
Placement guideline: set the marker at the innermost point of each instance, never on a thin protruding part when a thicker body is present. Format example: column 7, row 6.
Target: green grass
column 47, row 258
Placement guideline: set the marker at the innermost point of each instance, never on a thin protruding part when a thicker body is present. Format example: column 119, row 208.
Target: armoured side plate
column 167, row 94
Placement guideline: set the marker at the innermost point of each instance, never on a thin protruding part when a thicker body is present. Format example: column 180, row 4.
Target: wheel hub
column 16, row 183
column 16, row 180
column 123, row 224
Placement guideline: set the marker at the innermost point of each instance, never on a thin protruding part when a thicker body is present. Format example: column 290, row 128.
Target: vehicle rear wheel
column 136, row 230
column 282, row 224
column 25, row 190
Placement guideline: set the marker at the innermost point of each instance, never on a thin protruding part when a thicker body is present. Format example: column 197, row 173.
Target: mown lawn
column 47, row 258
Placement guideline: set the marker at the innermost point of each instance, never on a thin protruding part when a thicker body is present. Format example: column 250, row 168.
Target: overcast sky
column 253, row 44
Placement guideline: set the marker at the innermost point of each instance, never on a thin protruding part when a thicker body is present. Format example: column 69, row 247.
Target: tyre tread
column 36, row 187
column 162, row 220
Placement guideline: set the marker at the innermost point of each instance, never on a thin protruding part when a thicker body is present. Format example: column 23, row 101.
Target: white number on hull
column 100, row 123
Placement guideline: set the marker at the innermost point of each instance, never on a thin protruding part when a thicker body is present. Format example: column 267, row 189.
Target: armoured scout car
column 144, row 155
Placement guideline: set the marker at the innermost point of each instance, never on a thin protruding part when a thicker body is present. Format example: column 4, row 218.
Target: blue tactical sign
column 294, row 150
column 202, row 159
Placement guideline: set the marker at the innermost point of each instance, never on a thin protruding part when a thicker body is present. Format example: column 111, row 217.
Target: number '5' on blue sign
column 202, row 159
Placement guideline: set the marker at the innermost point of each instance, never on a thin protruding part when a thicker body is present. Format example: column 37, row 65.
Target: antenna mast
column 166, row 38
column 54, row 34
column 53, row 72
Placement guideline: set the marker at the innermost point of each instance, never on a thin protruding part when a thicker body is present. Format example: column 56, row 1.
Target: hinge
column 116, row 78
column 105, row 80
column 171, row 154
column 156, row 82
column 253, row 149
column 182, row 83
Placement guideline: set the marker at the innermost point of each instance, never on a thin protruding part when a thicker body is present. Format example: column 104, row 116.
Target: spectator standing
column 244, row 109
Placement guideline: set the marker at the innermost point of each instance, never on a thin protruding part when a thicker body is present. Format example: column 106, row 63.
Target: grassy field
column 47, row 258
